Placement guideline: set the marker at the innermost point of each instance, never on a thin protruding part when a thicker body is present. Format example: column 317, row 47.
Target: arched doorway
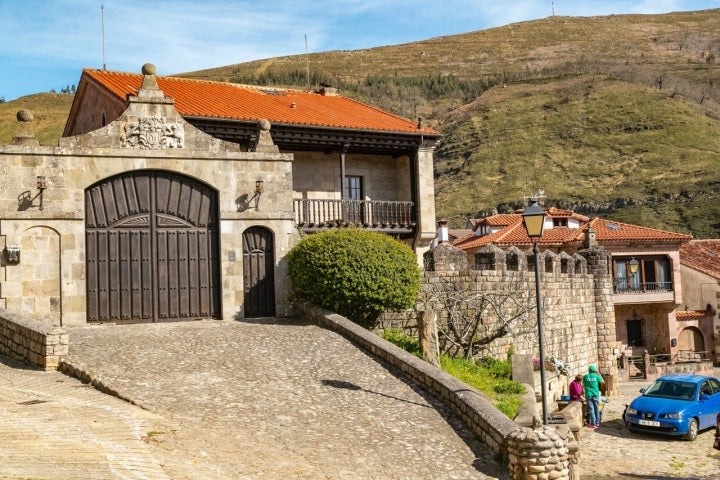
column 151, row 248
column 691, row 340
column 259, row 272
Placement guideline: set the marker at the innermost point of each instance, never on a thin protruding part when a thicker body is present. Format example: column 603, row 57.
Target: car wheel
column 692, row 432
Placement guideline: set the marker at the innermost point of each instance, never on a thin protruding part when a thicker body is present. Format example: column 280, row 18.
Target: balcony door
column 354, row 208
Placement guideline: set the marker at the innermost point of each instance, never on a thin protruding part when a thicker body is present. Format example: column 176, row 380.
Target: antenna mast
column 307, row 63
column 102, row 25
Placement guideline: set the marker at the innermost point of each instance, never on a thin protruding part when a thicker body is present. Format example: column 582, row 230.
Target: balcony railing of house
column 387, row 216
column 623, row 286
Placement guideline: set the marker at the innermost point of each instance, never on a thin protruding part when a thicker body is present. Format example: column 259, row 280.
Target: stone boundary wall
column 568, row 298
column 487, row 422
column 32, row 341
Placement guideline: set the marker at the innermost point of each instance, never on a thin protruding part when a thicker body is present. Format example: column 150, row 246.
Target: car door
column 710, row 406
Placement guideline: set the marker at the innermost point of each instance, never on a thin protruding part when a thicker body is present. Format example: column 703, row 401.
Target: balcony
column 636, row 292
column 386, row 216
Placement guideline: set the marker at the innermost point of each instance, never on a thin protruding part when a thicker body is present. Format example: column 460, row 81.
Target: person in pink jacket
column 576, row 389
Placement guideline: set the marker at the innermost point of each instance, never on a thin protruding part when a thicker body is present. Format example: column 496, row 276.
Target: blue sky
column 45, row 44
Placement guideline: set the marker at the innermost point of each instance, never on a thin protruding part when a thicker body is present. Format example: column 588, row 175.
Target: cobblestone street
column 269, row 400
column 612, row 452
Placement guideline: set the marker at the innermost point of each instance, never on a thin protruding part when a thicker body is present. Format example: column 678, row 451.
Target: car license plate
column 649, row 423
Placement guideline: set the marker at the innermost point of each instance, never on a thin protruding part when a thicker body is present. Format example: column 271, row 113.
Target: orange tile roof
column 692, row 314
column 702, row 255
column 610, row 231
column 512, row 232
column 201, row 98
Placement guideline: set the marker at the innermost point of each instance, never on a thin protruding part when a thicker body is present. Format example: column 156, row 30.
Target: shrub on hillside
column 355, row 273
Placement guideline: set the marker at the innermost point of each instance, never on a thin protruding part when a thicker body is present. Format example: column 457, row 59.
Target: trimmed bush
column 355, row 273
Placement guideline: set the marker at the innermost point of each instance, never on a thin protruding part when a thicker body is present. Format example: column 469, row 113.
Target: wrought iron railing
column 359, row 213
column 623, row 286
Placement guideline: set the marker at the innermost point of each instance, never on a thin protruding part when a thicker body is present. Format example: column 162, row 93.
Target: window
column 353, row 187
column 635, row 333
column 559, row 222
column 653, row 274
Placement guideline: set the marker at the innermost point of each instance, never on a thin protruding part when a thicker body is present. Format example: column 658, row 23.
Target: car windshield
column 671, row 389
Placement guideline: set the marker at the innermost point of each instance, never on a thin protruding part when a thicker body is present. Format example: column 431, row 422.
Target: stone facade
column 48, row 283
column 576, row 296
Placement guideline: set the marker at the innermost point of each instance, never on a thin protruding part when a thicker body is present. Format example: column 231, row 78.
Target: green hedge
column 355, row 273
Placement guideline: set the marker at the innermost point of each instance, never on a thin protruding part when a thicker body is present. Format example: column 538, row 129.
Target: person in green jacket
column 591, row 384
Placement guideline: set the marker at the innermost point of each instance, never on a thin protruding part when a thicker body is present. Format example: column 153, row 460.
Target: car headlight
column 675, row 415
column 632, row 411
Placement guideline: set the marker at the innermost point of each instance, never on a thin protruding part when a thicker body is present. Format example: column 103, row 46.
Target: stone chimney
column 443, row 233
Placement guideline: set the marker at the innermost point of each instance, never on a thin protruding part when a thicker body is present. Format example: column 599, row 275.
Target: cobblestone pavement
column 54, row 427
column 612, row 452
column 269, row 400
column 235, row 400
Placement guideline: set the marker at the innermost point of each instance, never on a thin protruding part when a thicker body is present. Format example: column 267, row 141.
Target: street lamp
column 534, row 222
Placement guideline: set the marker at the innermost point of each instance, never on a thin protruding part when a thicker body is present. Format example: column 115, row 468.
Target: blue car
column 676, row 404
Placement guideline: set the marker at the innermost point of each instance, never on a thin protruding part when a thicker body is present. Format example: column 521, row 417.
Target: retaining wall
column 32, row 341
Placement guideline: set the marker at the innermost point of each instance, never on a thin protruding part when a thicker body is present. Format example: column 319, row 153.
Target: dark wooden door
column 259, row 272
column 151, row 249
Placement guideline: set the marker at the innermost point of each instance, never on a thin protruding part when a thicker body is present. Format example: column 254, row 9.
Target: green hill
column 617, row 116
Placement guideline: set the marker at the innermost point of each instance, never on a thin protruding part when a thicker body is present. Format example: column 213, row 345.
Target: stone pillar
column 539, row 454
column 599, row 264
column 445, row 258
column 425, row 198
column 427, row 332
column 24, row 134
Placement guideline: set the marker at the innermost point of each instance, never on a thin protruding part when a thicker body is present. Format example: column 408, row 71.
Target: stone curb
column 81, row 373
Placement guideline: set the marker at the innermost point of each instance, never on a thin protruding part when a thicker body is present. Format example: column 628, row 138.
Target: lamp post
column 534, row 221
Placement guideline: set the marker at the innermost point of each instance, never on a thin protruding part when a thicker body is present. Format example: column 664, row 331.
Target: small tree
column 355, row 273
column 475, row 318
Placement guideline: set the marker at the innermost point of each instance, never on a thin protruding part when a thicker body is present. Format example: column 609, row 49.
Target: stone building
column 174, row 199
column 647, row 287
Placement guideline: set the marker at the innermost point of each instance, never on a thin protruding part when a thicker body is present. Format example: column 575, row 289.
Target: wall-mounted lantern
column 633, row 266
column 25, row 199
column 41, row 186
column 244, row 201
column 258, row 192
column 12, row 254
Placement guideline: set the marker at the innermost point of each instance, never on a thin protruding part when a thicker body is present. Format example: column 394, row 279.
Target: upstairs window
column 652, row 275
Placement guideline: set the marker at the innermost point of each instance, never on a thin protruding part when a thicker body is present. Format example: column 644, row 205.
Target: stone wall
column 506, row 279
column 32, row 341
column 48, row 282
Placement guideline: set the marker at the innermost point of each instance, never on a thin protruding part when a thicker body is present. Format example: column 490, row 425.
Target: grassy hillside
column 616, row 116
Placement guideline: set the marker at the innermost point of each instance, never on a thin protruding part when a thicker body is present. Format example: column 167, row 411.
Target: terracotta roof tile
column 702, row 255
column 611, row 231
column 692, row 314
column 512, row 232
column 200, row 98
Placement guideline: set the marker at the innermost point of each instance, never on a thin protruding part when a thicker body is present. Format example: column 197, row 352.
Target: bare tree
column 473, row 319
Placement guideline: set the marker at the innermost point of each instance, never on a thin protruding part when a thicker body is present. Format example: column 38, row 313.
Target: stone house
column 647, row 286
column 171, row 199
column 699, row 320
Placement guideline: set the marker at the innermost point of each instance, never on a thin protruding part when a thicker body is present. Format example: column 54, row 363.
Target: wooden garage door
column 151, row 249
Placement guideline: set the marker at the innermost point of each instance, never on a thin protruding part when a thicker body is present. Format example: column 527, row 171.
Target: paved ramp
column 273, row 399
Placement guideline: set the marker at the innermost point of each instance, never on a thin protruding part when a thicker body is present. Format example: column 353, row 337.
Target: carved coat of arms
column 152, row 133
